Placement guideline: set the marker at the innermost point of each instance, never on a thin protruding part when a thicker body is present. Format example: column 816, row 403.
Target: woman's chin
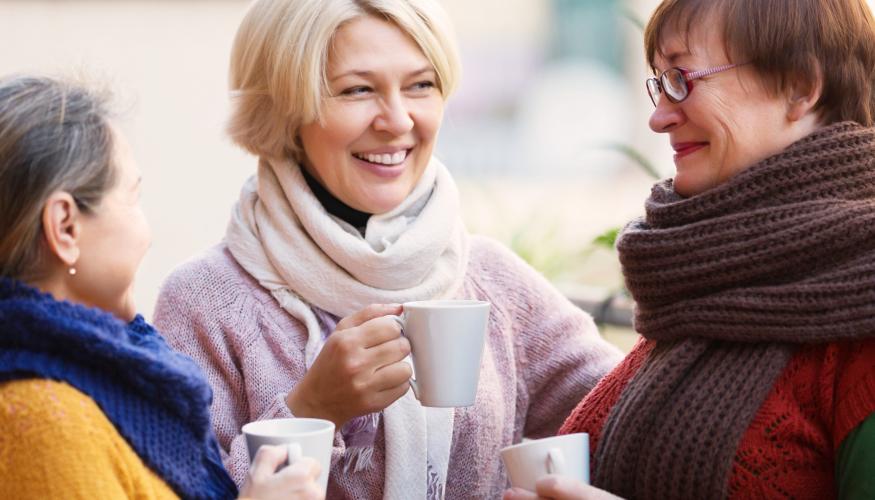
column 384, row 199
column 691, row 185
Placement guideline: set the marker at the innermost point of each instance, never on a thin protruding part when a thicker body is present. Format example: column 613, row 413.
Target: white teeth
column 385, row 158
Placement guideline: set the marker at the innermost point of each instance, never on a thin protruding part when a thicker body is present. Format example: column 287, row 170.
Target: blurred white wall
column 168, row 62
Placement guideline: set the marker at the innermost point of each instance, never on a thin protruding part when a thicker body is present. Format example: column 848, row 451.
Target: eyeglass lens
column 674, row 84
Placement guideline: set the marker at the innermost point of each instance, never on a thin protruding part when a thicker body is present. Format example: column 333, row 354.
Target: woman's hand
column 559, row 488
column 297, row 481
column 359, row 371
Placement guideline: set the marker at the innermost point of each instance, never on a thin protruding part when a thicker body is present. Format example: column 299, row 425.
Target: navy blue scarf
column 157, row 398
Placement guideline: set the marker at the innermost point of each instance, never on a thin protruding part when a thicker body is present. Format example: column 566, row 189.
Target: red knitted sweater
column 788, row 450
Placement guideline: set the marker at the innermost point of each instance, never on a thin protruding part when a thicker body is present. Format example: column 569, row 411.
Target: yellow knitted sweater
column 55, row 442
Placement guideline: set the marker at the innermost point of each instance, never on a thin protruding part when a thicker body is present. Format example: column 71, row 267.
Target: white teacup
column 446, row 340
column 566, row 455
column 308, row 437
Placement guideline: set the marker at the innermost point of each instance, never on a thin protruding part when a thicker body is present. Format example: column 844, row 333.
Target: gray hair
column 55, row 135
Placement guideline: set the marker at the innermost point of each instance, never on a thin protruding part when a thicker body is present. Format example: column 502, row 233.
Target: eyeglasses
column 677, row 83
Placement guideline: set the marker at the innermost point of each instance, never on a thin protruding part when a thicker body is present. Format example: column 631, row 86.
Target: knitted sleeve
column 560, row 353
column 56, row 443
column 251, row 359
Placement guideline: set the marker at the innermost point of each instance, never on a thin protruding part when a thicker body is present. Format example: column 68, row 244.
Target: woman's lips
column 381, row 170
column 683, row 149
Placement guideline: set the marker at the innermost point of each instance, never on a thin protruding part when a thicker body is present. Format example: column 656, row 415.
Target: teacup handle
column 555, row 461
column 295, row 453
column 401, row 320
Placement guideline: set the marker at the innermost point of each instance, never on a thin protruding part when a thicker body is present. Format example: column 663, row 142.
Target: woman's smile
column 387, row 162
column 683, row 149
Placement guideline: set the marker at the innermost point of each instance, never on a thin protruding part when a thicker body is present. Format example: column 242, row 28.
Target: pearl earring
column 72, row 271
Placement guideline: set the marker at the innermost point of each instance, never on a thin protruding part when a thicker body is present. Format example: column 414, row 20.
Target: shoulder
column 486, row 252
column 501, row 276
column 491, row 264
column 52, row 426
column 54, row 405
column 212, row 282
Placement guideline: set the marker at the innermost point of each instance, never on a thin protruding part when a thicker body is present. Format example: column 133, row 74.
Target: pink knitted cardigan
column 542, row 356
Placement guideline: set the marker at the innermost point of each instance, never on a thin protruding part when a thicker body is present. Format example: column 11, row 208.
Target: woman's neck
column 336, row 207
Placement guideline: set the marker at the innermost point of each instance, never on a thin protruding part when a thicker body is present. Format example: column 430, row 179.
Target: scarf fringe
column 436, row 485
column 358, row 458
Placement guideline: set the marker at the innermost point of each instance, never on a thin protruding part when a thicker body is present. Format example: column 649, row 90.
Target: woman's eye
column 355, row 91
column 423, row 85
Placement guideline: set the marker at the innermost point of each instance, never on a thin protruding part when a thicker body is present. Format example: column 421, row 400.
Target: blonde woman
column 93, row 404
column 342, row 101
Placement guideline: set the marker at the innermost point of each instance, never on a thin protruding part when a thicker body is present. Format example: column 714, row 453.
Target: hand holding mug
column 360, row 369
column 298, row 481
column 297, row 440
column 556, row 487
column 530, row 463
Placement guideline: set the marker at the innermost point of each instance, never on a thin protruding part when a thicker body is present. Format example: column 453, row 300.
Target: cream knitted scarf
column 281, row 234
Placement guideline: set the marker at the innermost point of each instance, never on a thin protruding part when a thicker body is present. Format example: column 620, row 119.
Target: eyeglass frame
column 689, row 76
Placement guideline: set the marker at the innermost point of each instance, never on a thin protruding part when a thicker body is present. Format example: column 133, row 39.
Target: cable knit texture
column 542, row 355
column 56, row 443
column 729, row 284
column 155, row 397
column 788, row 449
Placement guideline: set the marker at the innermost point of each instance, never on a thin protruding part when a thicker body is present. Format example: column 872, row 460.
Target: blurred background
column 547, row 135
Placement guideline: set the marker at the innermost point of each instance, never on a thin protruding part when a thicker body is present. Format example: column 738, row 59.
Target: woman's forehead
column 699, row 43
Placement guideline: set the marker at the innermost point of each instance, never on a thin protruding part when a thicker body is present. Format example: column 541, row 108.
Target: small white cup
column 446, row 341
column 306, row 437
column 566, row 455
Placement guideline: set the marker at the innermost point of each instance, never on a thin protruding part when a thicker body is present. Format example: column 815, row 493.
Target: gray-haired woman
column 93, row 404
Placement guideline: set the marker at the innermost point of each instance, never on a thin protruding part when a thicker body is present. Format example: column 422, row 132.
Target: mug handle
column 402, row 320
column 555, row 461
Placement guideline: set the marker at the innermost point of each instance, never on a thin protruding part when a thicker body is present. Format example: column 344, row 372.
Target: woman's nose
column 666, row 116
column 394, row 117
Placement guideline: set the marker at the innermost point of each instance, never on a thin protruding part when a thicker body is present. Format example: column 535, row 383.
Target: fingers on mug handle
column 267, row 460
column 398, row 318
column 368, row 313
column 401, row 319
column 295, row 453
column 555, row 461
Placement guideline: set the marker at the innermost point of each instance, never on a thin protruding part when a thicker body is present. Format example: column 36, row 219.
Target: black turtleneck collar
column 335, row 207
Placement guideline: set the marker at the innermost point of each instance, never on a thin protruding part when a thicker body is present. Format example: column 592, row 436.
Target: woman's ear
column 804, row 93
column 62, row 227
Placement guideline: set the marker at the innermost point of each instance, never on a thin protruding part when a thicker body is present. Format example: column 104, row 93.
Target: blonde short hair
column 280, row 56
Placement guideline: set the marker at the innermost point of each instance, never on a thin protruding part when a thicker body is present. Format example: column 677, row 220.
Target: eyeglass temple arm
column 710, row 71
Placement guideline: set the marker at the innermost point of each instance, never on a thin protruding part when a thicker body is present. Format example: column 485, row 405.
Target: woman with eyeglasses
column 754, row 267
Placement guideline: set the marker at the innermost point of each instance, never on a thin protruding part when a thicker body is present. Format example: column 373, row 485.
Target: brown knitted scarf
column 729, row 282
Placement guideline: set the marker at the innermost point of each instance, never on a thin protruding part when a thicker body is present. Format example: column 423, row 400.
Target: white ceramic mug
column 446, row 342
column 307, row 437
column 566, row 455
